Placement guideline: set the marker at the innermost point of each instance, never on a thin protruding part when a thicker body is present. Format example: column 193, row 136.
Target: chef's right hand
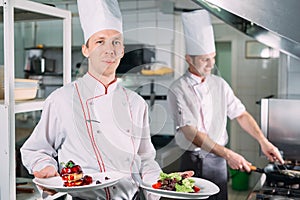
column 46, row 172
column 236, row 161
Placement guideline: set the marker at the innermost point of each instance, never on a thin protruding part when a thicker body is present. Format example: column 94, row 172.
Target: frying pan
column 276, row 174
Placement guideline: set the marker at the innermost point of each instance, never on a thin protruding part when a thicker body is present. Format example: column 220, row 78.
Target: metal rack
column 16, row 10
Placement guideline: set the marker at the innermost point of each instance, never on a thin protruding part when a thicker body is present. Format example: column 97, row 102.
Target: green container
column 240, row 180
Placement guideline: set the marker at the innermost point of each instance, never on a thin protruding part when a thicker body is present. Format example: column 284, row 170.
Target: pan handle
column 256, row 169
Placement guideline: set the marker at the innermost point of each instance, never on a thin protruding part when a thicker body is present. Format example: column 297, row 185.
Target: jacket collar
column 99, row 87
column 194, row 78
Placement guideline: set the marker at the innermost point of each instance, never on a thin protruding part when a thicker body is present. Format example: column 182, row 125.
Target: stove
column 268, row 188
column 279, row 192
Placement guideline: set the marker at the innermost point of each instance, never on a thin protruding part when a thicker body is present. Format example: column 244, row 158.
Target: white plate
column 207, row 189
column 56, row 183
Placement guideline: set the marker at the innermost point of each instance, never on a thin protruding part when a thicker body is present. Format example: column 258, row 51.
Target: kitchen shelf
column 10, row 12
column 27, row 106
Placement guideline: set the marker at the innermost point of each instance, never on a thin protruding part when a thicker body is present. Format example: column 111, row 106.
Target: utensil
column 276, row 165
column 271, row 171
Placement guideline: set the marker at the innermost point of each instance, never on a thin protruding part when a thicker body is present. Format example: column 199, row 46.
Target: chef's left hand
column 46, row 172
column 187, row 174
column 271, row 151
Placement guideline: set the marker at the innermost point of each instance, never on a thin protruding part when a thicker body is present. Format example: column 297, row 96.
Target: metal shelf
column 27, row 106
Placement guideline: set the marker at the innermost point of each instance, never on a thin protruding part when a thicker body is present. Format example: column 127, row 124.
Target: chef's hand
column 46, row 172
column 187, row 174
column 270, row 151
column 236, row 161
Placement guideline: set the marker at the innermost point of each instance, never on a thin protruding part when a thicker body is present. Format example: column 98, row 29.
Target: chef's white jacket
column 204, row 105
column 101, row 129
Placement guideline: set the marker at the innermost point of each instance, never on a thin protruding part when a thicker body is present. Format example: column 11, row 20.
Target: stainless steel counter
column 29, row 191
column 257, row 187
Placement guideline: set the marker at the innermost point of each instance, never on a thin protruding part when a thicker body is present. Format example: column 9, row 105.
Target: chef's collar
column 195, row 77
column 100, row 88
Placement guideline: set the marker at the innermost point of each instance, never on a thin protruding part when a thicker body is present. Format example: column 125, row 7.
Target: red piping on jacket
column 202, row 78
column 91, row 136
column 105, row 86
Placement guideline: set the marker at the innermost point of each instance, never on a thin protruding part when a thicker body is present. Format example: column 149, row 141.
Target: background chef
column 200, row 103
column 94, row 121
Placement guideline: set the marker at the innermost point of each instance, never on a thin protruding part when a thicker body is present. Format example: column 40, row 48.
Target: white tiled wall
column 149, row 25
column 293, row 74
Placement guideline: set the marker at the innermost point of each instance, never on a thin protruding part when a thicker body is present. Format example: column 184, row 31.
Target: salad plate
column 56, row 183
column 207, row 188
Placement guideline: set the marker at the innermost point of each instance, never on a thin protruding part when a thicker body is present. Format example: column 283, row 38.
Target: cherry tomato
column 156, row 185
column 196, row 189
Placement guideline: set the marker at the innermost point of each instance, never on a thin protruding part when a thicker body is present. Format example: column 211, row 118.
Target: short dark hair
column 87, row 43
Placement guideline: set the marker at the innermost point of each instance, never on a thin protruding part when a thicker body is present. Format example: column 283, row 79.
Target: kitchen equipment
column 265, row 21
column 280, row 123
column 279, row 173
column 277, row 185
column 24, row 89
column 136, row 55
column 36, row 63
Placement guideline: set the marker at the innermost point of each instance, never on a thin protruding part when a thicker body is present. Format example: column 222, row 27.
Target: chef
column 200, row 104
column 94, row 121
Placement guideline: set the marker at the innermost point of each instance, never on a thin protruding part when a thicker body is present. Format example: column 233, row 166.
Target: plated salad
column 179, row 182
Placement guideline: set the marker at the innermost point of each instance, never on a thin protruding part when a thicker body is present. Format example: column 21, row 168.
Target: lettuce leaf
column 187, row 186
column 175, row 175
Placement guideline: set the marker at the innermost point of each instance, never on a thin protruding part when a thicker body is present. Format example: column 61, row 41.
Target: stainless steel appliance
column 271, row 22
column 280, row 122
column 36, row 63
column 273, row 188
column 135, row 57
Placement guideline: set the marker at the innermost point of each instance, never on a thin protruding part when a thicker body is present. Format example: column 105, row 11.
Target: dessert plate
column 56, row 183
column 207, row 188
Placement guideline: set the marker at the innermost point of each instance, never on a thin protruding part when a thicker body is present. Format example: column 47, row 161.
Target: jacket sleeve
column 234, row 106
column 150, row 169
column 182, row 105
column 40, row 148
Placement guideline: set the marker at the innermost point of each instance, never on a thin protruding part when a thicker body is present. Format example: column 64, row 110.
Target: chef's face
column 201, row 65
column 104, row 50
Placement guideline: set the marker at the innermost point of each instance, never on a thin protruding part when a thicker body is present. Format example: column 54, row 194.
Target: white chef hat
column 97, row 15
column 198, row 33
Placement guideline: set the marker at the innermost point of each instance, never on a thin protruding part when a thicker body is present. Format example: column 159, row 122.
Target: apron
column 210, row 167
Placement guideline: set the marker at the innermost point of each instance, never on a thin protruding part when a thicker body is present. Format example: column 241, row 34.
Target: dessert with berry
column 72, row 175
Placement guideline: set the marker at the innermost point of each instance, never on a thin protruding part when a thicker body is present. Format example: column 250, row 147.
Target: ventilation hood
column 272, row 22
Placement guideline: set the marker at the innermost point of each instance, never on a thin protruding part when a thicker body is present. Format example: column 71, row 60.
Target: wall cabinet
column 12, row 11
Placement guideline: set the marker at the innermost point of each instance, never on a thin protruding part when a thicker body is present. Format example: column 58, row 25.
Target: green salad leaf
column 181, row 184
column 175, row 175
column 187, row 186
